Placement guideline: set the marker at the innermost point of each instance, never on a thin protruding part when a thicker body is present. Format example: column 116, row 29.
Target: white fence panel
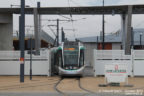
column 10, row 64
column 138, row 57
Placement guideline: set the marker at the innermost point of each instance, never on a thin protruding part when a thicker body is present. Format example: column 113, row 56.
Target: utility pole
column 31, row 47
column 22, row 40
column 63, row 35
column 141, row 40
column 103, row 29
column 37, row 29
column 58, row 20
column 97, row 43
column 132, row 38
column 57, row 36
column 39, row 24
column 57, row 32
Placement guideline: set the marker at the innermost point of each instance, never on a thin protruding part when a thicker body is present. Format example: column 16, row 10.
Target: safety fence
column 138, row 62
column 135, row 61
column 10, row 64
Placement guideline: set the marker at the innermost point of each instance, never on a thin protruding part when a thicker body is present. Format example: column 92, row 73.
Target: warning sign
column 21, row 60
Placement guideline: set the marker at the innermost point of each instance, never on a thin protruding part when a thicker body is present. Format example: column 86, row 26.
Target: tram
column 70, row 59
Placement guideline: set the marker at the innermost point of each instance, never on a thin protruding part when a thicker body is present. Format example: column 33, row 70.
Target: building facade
column 113, row 41
column 46, row 40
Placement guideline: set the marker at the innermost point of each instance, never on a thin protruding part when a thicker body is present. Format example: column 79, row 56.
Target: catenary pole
column 22, row 41
column 57, row 32
column 103, row 29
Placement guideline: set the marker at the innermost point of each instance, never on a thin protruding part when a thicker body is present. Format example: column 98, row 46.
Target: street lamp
column 132, row 38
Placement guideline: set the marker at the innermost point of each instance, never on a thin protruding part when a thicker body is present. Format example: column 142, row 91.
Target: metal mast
column 103, row 29
column 22, row 41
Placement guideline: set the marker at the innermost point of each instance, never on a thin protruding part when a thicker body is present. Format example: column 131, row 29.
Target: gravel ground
column 44, row 86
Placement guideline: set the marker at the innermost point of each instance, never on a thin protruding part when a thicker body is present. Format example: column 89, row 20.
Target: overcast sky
column 91, row 26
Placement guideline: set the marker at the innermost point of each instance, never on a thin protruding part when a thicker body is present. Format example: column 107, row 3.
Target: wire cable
column 52, row 31
column 77, row 4
column 31, row 2
column 69, row 8
column 139, row 23
column 71, row 18
column 73, row 30
column 64, row 16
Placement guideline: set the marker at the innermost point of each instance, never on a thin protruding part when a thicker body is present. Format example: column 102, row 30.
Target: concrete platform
column 45, row 85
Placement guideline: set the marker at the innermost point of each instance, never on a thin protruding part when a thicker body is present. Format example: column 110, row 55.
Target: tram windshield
column 71, row 51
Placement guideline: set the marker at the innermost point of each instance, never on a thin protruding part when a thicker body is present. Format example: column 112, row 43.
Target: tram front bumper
column 78, row 72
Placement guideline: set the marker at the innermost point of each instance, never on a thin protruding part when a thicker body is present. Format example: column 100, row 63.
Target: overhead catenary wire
column 52, row 30
column 69, row 3
column 69, row 8
column 71, row 18
column 64, row 16
column 140, row 23
column 73, row 30
column 31, row 2
column 55, row 36
column 45, row 25
column 77, row 4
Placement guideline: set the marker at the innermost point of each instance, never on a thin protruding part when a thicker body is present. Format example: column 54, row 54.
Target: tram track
column 59, row 91
column 88, row 92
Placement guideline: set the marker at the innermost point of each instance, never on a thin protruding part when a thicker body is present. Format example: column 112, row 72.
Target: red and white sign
column 21, row 60
column 116, row 73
